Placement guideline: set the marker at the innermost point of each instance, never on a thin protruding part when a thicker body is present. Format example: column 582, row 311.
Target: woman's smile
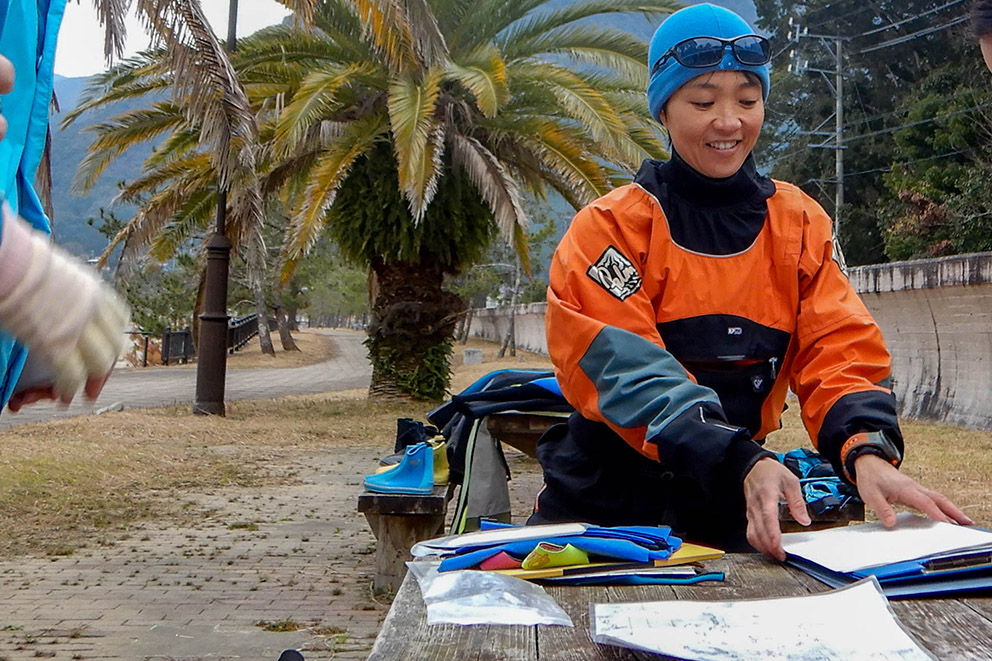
column 714, row 121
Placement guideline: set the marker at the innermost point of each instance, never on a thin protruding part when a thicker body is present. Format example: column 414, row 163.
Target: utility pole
column 211, row 362
column 801, row 66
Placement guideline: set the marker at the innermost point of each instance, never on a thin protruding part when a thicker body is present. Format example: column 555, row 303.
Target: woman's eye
column 749, row 103
column 702, row 104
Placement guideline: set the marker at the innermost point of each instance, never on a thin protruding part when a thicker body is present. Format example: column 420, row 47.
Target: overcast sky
column 80, row 47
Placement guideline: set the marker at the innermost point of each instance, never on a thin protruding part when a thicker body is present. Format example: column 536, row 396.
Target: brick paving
column 285, row 556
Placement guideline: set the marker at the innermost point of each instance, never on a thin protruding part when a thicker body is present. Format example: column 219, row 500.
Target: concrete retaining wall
column 936, row 315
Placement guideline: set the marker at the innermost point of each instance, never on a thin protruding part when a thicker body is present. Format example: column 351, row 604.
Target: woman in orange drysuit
column 683, row 306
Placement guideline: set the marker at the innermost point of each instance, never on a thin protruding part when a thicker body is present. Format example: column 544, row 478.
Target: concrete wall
column 492, row 324
column 936, row 315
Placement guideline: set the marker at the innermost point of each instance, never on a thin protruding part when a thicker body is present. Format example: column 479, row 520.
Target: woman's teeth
column 724, row 145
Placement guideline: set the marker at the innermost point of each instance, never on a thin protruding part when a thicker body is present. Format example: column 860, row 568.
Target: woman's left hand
column 766, row 484
column 880, row 485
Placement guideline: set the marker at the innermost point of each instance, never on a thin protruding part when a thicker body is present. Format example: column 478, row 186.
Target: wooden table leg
column 395, row 534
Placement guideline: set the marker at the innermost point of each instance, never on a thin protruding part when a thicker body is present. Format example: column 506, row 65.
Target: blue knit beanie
column 703, row 20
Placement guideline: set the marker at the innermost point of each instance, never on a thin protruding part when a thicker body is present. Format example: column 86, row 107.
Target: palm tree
column 412, row 128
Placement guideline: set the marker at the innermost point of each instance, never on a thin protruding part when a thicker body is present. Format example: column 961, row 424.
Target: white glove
column 57, row 307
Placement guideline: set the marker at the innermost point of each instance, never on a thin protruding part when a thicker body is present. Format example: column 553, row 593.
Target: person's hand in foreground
column 881, row 485
column 61, row 310
column 766, row 484
column 94, row 385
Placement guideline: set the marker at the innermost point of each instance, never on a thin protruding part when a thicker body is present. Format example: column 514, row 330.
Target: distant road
column 142, row 388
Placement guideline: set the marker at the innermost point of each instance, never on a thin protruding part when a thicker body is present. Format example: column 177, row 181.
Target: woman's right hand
column 767, row 483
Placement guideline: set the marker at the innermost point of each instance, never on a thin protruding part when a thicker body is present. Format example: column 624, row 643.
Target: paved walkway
column 281, row 557
column 161, row 387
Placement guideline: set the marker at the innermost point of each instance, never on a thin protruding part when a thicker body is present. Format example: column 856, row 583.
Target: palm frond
column 326, row 176
column 538, row 23
column 190, row 221
column 563, row 153
column 483, row 73
column 303, row 10
column 491, row 180
column 604, row 49
column 203, row 77
column 314, row 99
column 131, row 79
column 119, row 134
column 111, row 14
column 387, row 27
column 417, row 137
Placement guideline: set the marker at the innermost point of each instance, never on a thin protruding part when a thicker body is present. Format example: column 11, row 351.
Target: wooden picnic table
column 949, row 628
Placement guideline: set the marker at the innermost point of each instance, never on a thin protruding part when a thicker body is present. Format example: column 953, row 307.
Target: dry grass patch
column 66, row 482
column 82, row 480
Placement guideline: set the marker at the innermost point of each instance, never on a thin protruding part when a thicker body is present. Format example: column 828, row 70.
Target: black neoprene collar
column 706, row 215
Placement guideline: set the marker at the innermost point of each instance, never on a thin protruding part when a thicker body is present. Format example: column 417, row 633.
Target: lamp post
column 211, row 362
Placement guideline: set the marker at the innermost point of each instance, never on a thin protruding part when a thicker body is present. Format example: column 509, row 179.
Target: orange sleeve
column 841, row 362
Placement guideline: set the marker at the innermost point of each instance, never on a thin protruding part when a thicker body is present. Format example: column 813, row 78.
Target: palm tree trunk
column 285, row 338
column 264, row 338
column 411, row 332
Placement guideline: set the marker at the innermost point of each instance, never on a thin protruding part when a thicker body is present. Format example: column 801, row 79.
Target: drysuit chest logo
column 615, row 273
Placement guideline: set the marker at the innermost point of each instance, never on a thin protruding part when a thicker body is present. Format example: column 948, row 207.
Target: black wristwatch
column 876, row 443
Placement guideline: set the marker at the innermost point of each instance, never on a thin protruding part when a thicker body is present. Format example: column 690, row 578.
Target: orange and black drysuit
column 681, row 309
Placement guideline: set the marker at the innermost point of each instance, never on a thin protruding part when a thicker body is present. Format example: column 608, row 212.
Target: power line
column 912, row 18
column 915, row 160
column 920, row 122
column 914, row 35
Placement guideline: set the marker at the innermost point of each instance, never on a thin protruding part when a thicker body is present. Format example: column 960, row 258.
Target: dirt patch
column 314, row 347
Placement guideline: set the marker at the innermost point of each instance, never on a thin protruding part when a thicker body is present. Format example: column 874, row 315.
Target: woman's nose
column 727, row 118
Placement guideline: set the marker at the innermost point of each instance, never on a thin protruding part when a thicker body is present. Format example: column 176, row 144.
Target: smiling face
column 714, row 121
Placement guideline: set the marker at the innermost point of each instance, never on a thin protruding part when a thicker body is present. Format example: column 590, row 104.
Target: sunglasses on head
column 702, row 52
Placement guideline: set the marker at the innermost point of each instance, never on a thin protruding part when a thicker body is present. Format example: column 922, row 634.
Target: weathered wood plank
column 402, row 503
column 406, row 636
column 949, row 628
column 576, row 644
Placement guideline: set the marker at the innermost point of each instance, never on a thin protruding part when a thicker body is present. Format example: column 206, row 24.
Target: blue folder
column 968, row 571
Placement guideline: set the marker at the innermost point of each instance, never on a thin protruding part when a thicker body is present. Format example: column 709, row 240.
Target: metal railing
column 177, row 345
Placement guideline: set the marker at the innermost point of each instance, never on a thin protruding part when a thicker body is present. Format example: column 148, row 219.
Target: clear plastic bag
column 480, row 597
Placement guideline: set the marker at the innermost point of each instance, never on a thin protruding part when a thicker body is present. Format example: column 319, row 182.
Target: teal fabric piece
column 639, row 383
column 28, row 34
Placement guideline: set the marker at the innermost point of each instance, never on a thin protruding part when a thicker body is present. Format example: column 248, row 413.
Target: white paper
column 440, row 545
column 851, row 623
column 867, row 545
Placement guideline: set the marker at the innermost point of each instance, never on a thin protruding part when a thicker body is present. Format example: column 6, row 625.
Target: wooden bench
column 399, row 521
column 521, row 430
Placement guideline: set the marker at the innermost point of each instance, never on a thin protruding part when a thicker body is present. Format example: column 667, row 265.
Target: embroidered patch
column 614, row 273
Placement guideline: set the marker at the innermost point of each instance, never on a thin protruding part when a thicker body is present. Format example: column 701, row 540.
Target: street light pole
column 211, row 362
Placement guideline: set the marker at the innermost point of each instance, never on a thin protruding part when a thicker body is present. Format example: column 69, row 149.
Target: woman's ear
column 662, row 118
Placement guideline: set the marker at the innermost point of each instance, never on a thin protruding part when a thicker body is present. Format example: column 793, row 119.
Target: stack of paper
column 853, row 623
column 918, row 556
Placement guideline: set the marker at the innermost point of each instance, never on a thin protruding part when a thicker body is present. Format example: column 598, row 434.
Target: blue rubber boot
column 414, row 475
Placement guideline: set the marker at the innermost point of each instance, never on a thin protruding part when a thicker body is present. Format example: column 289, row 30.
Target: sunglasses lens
column 752, row 50
column 699, row 52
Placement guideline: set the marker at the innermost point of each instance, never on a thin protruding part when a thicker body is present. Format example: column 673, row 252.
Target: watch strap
column 876, row 443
